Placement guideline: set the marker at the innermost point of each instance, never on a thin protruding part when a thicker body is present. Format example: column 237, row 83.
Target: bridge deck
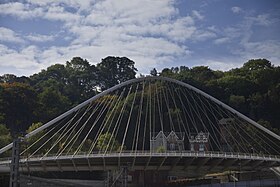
column 183, row 161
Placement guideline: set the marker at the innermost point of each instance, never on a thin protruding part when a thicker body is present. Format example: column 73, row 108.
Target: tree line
column 253, row 89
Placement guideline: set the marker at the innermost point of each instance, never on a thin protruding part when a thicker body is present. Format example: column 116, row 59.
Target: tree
column 5, row 139
column 256, row 64
column 55, row 77
column 5, row 136
column 166, row 72
column 8, row 78
column 54, row 72
column 267, row 125
column 236, row 85
column 82, row 80
column 202, row 73
column 107, row 141
column 18, row 105
column 261, row 72
column 114, row 70
column 161, row 149
column 52, row 103
column 33, row 127
column 34, row 138
column 153, row 72
column 238, row 101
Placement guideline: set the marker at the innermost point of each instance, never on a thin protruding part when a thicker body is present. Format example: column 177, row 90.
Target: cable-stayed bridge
column 149, row 124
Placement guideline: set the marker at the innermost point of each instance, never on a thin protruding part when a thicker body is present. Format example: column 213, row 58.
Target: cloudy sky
column 221, row 34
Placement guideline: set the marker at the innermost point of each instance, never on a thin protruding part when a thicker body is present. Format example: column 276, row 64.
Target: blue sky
column 221, row 34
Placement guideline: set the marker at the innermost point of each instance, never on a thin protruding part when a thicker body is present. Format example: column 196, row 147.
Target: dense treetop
column 253, row 89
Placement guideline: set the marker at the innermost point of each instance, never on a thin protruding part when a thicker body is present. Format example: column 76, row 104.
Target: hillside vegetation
column 253, row 89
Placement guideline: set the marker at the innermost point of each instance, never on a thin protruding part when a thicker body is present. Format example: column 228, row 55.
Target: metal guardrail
column 150, row 154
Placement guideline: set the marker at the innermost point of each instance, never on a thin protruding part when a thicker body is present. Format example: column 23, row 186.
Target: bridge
column 149, row 124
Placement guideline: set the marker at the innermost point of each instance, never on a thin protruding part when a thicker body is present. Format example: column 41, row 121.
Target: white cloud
column 20, row 10
column 224, row 64
column 266, row 49
column 40, row 38
column 134, row 11
column 23, row 61
column 5, row 50
column 182, row 29
column 197, row 15
column 202, row 35
column 229, row 34
column 130, row 29
column 58, row 13
column 221, row 40
column 146, row 52
column 82, row 4
column 8, row 35
column 244, row 45
column 150, row 32
column 53, row 11
column 262, row 20
column 236, row 9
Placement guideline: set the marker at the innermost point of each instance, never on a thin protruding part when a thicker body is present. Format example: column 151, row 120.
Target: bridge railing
column 208, row 154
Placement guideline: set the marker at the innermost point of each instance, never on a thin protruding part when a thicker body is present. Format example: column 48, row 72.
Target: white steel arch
column 50, row 123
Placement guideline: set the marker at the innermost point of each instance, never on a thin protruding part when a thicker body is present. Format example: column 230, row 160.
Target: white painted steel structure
column 146, row 160
column 180, row 161
column 9, row 146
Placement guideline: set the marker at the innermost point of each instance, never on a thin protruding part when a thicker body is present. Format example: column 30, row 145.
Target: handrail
column 211, row 154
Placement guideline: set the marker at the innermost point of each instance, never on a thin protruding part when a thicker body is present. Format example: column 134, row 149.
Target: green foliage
column 114, row 70
column 107, row 141
column 253, row 89
column 5, row 139
column 153, row 72
column 257, row 64
column 267, row 125
column 237, row 100
column 35, row 137
column 202, row 73
column 82, row 79
column 5, row 136
column 86, row 146
column 52, row 103
column 236, row 85
column 8, row 78
column 160, row 149
column 18, row 104
column 55, row 90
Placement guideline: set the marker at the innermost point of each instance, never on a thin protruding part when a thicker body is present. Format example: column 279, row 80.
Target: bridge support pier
column 14, row 172
column 117, row 177
column 108, row 181
column 124, row 177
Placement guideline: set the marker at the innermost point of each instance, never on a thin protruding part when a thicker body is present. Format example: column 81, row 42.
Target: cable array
column 150, row 115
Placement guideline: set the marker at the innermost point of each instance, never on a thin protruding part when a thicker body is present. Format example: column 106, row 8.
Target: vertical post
column 125, row 176
column 240, row 171
column 14, row 171
column 108, row 180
